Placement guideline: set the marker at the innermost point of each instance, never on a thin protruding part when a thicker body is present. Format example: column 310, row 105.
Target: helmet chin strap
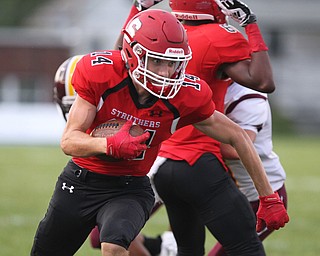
column 143, row 94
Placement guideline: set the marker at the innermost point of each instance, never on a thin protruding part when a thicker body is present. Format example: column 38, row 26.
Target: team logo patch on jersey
column 155, row 113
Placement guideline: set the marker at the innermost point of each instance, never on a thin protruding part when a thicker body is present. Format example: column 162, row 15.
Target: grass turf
column 29, row 173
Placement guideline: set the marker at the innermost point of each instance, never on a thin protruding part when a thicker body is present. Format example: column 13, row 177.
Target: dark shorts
column 204, row 195
column 119, row 205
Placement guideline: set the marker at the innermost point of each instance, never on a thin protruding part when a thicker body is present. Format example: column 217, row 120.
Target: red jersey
column 102, row 79
column 212, row 45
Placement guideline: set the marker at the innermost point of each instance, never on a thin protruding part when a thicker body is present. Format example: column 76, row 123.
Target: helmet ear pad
column 155, row 34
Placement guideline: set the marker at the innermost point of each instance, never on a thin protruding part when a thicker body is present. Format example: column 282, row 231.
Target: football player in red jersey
column 220, row 52
column 144, row 83
column 64, row 96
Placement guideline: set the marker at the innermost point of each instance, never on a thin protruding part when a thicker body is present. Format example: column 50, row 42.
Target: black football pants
column 205, row 195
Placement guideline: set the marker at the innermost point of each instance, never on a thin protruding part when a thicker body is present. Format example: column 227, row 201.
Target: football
column 109, row 129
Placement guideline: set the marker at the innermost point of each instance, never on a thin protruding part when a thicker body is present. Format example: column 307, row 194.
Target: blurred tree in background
column 280, row 124
column 13, row 12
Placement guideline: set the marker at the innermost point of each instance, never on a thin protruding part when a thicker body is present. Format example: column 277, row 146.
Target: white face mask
column 160, row 86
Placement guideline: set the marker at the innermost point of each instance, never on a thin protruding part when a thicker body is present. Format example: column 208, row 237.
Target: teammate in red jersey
column 220, row 52
column 144, row 83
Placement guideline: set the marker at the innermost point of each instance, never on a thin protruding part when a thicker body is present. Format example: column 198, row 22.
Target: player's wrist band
column 255, row 38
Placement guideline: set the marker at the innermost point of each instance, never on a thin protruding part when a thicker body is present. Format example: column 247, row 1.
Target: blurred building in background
column 292, row 31
column 30, row 55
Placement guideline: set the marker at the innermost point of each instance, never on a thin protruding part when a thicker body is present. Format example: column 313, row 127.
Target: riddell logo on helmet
column 174, row 51
column 186, row 16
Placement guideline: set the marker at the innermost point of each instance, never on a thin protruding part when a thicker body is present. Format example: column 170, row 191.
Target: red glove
column 271, row 213
column 123, row 145
column 255, row 38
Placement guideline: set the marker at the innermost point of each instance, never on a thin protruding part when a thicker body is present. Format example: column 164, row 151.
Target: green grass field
column 28, row 176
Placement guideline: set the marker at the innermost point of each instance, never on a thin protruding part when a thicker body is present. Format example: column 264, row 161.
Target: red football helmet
column 197, row 10
column 156, row 34
column 63, row 92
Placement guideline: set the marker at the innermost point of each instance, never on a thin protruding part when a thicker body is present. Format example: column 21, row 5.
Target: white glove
column 145, row 4
column 169, row 245
column 154, row 169
column 238, row 11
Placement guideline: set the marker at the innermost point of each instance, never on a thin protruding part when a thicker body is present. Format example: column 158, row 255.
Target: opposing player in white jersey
column 251, row 110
